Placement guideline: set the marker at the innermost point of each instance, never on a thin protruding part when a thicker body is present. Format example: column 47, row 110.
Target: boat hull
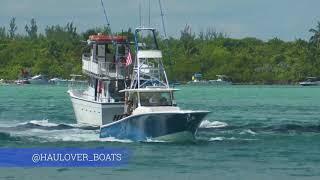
column 95, row 113
column 310, row 83
column 173, row 126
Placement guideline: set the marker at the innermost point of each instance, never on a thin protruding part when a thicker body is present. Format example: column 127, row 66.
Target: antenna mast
column 166, row 38
column 140, row 15
column 149, row 14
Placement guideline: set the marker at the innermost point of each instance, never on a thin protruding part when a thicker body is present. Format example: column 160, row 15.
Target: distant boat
column 59, row 81
column 222, row 80
column 38, row 79
column 22, row 81
column 3, row 82
column 310, row 81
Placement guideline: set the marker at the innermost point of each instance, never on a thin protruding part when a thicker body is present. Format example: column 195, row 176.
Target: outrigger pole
column 165, row 35
column 105, row 14
column 162, row 16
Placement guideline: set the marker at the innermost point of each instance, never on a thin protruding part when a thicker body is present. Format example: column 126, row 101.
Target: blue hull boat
column 175, row 126
column 150, row 109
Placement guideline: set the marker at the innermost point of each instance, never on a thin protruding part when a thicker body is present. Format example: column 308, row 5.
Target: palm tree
column 315, row 38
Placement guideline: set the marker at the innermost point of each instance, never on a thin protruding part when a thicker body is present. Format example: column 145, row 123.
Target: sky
column 263, row 19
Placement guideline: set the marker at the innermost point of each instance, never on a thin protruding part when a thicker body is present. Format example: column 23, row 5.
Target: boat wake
column 256, row 128
column 215, row 124
column 45, row 131
column 230, row 139
column 215, row 131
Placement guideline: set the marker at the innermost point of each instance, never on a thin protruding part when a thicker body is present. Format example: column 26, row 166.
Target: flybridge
column 106, row 58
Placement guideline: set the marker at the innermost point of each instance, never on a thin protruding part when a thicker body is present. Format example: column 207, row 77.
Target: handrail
column 106, row 69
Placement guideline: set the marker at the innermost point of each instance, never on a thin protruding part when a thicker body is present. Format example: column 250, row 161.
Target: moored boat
column 59, row 81
column 311, row 81
column 38, row 79
column 221, row 80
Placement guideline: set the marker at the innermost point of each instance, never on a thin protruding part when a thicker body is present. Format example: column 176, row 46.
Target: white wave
column 72, row 135
column 217, row 139
column 213, row 124
column 248, row 131
column 14, row 123
column 150, row 140
column 231, row 138
column 44, row 122
column 113, row 139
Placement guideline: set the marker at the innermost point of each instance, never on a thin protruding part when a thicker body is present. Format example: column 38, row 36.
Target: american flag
column 128, row 59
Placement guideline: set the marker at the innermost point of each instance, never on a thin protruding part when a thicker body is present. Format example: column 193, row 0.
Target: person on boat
column 154, row 100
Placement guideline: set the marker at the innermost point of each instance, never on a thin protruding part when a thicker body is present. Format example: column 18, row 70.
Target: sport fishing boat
column 105, row 62
column 150, row 110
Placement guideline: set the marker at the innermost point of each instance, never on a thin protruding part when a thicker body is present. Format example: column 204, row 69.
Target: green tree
column 12, row 27
column 315, row 38
column 3, row 33
column 187, row 39
column 33, row 29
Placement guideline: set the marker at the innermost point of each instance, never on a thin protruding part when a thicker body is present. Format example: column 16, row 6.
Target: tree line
column 57, row 53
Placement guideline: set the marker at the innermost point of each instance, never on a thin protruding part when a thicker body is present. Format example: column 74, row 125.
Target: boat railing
column 102, row 68
column 99, row 98
column 86, row 56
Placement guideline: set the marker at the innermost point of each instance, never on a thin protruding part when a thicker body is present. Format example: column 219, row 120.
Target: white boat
column 105, row 64
column 221, row 80
column 38, row 79
column 310, row 81
column 22, row 81
column 3, row 82
column 59, row 81
column 150, row 110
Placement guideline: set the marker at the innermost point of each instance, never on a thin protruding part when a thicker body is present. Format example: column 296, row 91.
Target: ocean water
column 253, row 132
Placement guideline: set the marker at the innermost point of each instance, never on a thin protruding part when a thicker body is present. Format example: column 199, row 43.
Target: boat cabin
column 149, row 97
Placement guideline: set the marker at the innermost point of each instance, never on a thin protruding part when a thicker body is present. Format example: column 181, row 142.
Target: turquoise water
column 253, row 132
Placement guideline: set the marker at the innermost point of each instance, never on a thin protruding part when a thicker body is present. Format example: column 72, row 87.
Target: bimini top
column 107, row 38
column 150, row 89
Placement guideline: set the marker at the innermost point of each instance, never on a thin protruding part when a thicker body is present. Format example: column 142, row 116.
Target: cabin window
column 155, row 99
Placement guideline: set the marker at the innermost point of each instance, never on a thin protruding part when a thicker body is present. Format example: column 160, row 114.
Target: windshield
column 155, row 99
